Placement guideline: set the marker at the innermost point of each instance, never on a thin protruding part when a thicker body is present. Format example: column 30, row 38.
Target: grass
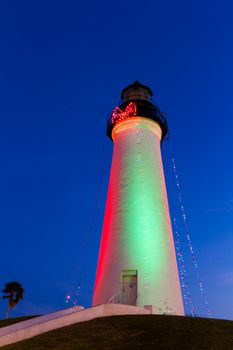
column 9, row 321
column 136, row 332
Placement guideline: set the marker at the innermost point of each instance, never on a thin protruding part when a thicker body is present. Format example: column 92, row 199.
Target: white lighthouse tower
column 137, row 261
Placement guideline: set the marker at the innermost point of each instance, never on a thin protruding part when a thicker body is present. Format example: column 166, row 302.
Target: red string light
column 119, row 115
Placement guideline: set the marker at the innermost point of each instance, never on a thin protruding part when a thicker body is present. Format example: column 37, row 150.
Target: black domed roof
column 140, row 96
column 136, row 86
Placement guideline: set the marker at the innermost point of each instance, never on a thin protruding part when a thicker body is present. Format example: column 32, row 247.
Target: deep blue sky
column 62, row 67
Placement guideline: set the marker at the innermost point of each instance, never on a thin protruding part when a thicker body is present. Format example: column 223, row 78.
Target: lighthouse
column 137, row 261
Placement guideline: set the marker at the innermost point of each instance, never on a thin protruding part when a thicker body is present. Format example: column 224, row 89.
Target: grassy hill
column 136, row 332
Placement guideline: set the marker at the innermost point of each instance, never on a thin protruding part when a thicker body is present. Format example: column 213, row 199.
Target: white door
column 129, row 294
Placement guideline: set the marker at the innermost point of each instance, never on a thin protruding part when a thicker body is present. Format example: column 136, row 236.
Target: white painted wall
column 137, row 232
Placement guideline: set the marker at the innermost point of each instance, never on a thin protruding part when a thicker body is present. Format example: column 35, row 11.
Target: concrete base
column 30, row 328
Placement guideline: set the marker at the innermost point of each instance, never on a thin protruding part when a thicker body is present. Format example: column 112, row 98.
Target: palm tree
column 14, row 293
